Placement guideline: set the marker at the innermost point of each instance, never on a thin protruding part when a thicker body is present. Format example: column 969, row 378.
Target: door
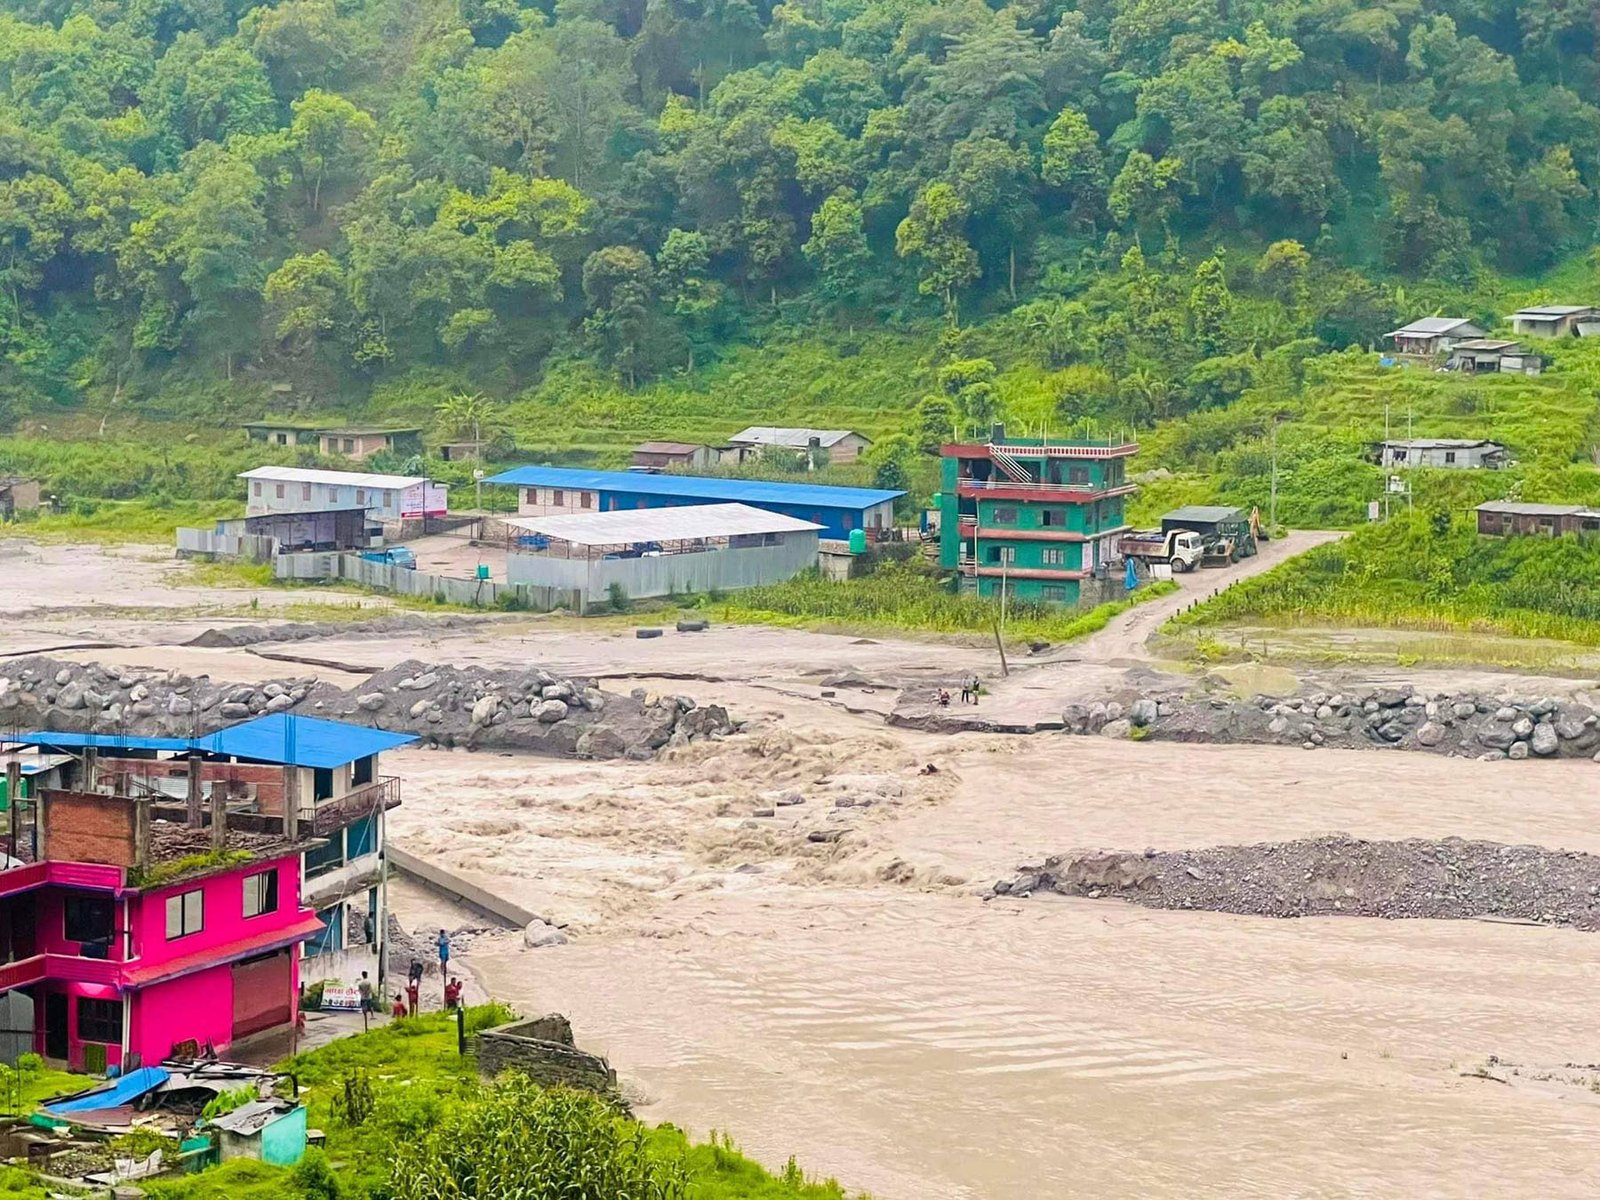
column 55, row 1025
column 261, row 996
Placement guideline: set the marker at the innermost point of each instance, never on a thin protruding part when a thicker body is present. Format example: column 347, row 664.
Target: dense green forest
column 1153, row 204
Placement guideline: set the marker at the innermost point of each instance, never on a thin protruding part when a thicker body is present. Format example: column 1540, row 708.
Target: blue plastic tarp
column 121, row 1091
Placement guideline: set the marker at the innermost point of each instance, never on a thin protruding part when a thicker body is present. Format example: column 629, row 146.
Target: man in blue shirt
column 444, row 953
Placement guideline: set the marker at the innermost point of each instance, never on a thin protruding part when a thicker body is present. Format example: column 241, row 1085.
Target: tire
column 692, row 626
column 1179, row 567
column 647, row 633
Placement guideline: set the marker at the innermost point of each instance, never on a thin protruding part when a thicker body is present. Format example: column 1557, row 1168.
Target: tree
column 1282, row 272
column 969, row 383
column 469, row 415
column 1210, row 306
column 934, row 231
column 890, row 460
column 838, row 249
column 331, row 139
column 307, row 302
column 1145, row 191
column 682, row 265
column 936, row 422
column 1072, row 161
column 618, row 283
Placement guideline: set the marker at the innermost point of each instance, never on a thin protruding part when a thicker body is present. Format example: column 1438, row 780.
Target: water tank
column 858, row 541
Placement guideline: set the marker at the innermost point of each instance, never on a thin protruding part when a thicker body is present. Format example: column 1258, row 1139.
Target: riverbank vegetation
column 406, row 1117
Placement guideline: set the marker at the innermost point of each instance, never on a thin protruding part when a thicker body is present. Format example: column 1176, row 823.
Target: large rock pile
column 1406, row 718
column 527, row 709
column 1339, row 875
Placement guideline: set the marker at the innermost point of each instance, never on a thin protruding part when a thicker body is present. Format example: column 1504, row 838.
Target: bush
column 313, row 1178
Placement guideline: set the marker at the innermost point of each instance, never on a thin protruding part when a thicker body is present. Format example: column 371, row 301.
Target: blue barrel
column 858, row 541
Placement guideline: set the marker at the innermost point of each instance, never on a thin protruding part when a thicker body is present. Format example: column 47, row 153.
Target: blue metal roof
column 301, row 741
column 99, row 741
column 748, row 491
column 275, row 738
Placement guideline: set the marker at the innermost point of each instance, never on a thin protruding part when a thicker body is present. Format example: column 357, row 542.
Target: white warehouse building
column 659, row 551
column 385, row 498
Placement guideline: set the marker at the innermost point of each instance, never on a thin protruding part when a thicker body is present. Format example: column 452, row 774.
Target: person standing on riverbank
column 444, row 954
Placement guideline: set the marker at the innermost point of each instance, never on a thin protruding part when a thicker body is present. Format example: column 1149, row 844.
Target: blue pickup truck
column 395, row 556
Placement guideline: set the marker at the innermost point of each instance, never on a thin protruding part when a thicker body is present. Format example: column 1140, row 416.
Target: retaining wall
column 453, row 887
column 543, row 1050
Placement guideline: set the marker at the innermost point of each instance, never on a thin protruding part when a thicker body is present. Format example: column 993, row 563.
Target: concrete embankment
column 1339, row 876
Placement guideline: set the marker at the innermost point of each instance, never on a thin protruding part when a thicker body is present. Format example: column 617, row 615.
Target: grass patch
column 899, row 598
column 116, row 521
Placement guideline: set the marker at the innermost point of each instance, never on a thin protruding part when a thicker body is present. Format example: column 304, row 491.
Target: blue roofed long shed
column 547, row 491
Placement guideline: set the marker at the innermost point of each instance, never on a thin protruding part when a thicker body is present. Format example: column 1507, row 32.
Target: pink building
column 129, row 939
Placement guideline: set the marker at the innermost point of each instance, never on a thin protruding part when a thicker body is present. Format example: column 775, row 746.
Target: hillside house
column 130, row 937
column 1553, row 320
column 1478, row 356
column 1433, row 335
column 840, row 445
column 1462, row 454
column 308, row 508
column 1513, row 518
column 356, row 443
column 664, row 456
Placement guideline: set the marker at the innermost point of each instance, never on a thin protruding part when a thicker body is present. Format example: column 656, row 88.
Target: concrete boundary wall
column 206, row 543
column 715, row 569
column 451, row 886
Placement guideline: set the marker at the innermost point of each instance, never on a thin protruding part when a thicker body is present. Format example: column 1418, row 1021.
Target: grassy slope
column 414, row 1070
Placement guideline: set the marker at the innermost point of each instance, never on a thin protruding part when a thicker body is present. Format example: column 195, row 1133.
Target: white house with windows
column 385, row 498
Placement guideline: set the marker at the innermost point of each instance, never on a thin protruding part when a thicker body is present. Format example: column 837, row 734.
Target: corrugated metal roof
column 1485, row 344
column 274, row 738
column 1519, row 509
column 698, row 487
column 360, row 479
column 676, row 524
column 1552, row 310
column 1429, row 325
column 99, row 741
column 300, row 741
column 667, row 447
column 784, row 435
column 1441, row 443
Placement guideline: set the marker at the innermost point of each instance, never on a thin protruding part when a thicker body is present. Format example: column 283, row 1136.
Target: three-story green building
column 1039, row 516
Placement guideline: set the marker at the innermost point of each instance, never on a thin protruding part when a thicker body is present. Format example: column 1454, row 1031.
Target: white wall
column 704, row 571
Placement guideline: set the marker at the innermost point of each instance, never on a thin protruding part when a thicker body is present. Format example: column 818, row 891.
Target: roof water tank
column 858, row 541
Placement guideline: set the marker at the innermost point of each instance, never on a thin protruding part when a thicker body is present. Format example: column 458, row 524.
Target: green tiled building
column 1040, row 516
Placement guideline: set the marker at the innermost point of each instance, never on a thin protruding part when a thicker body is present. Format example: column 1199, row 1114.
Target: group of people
column 969, row 692
column 409, row 1004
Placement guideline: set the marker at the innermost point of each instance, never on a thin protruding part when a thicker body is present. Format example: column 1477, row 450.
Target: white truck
column 1182, row 548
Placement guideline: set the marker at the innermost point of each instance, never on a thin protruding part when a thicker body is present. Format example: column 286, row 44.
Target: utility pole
column 1272, row 508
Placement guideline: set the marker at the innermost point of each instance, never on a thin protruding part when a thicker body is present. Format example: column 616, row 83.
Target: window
column 1054, row 556
column 586, row 499
column 1078, row 475
column 186, row 914
column 280, row 491
column 1002, row 554
column 88, row 918
column 100, row 1021
column 558, row 498
column 326, row 857
column 255, row 488
column 305, row 491
column 260, row 893
column 530, row 495
column 360, row 837
column 349, row 445
column 1005, row 516
column 1449, row 456
column 848, row 523
column 1053, row 518
column 388, row 497
column 361, row 495
column 333, row 494
column 1053, row 593
column 283, row 439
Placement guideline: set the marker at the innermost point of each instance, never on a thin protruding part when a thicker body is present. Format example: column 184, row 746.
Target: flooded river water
column 859, row 1007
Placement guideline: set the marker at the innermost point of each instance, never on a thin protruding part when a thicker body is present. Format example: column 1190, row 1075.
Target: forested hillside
column 390, row 198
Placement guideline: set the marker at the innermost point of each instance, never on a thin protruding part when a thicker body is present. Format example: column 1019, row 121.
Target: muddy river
column 857, row 1006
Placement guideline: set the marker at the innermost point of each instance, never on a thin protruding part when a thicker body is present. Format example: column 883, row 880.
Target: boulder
column 484, row 709
column 1324, row 712
column 539, row 934
column 1541, row 706
column 417, row 709
column 1463, row 710
column 1143, row 712
column 273, row 690
column 371, row 702
column 551, row 711
column 179, row 706
column 284, row 701
column 556, row 691
column 1119, row 728
column 1278, row 725
column 234, row 712
column 1496, row 737
column 1518, row 750
column 1113, row 711
column 70, row 697
column 1568, row 728
column 1390, row 698
column 1505, row 713
column 1545, row 741
column 1431, row 733
column 1522, row 727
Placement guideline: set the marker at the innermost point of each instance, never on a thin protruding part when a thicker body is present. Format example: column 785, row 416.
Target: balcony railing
column 1044, row 488
column 329, row 816
column 66, row 967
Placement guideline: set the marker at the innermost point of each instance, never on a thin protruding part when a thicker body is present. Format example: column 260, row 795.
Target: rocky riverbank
column 1405, row 718
column 1339, row 876
column 528, row 709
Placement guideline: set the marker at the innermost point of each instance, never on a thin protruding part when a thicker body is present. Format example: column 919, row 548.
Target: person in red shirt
column 452, row 994
column 399, row 1009
column 413, row 996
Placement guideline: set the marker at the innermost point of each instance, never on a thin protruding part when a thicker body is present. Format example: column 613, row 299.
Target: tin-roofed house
column 1515, row 518
column 1553, row 320
column 305, row 508
column 839, row 445
column 1433, row 335
column 1461, row 454
column 1480, row 356
column 666, row 456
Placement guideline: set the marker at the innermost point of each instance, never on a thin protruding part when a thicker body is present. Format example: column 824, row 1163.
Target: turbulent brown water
column 916, row 1042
